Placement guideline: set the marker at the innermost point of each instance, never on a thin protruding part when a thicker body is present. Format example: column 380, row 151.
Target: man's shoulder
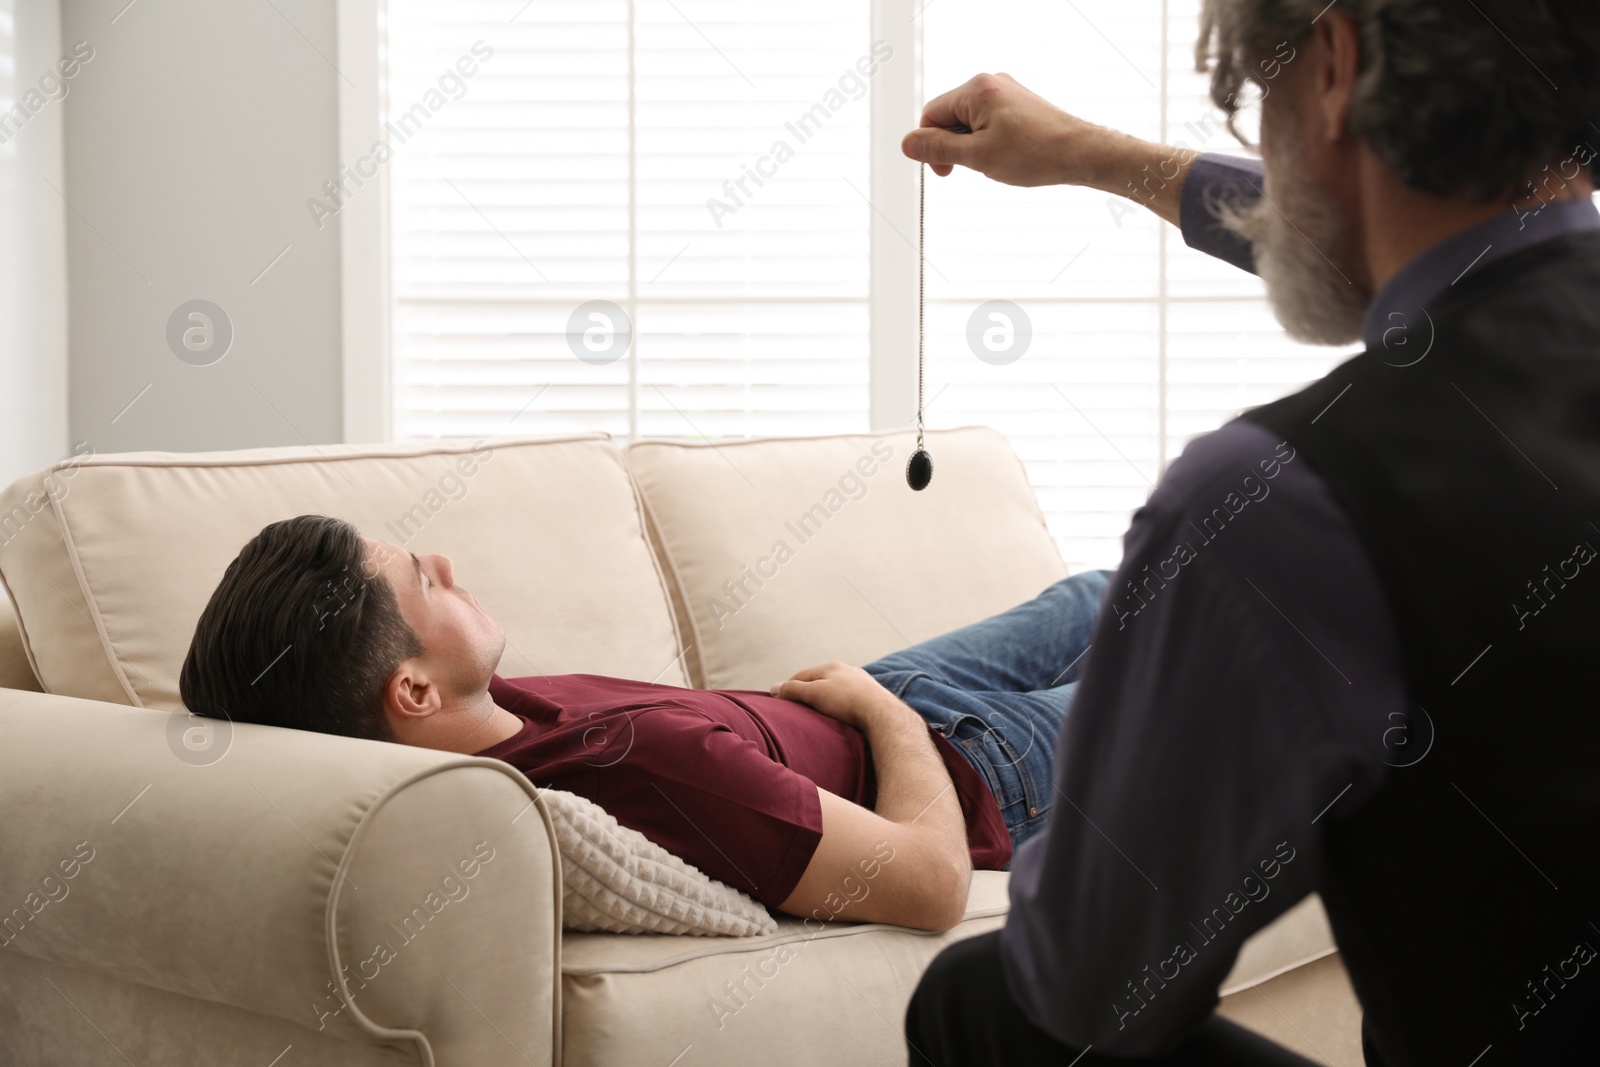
column 1239, row 462
column 1242, row 502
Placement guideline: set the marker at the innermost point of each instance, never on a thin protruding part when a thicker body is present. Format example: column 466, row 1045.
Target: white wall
column 193, row 139
column 33, row 313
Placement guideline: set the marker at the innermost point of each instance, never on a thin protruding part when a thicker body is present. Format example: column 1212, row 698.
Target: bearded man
column 1352, row 645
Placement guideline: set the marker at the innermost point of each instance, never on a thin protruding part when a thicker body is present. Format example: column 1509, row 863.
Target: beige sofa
column 177, row 891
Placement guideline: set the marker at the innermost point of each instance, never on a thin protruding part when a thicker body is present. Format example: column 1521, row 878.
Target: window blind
column 625, row 153
column 628, row 152
column 1138, row 342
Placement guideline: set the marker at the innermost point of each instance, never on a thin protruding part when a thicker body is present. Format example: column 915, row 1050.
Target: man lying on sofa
column 893, row 781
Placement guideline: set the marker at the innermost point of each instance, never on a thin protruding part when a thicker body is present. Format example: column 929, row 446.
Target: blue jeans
column 1000, row 689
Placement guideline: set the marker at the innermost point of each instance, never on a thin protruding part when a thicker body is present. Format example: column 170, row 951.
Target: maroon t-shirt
column 725, row 779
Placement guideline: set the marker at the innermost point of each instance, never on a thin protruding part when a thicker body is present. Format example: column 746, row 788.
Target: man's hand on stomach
column 840, row 691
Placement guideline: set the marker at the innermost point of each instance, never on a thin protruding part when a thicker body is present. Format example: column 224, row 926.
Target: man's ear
column 409, row 696
column 1338, row 52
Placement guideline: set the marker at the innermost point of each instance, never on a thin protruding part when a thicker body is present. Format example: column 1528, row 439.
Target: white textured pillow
column 617, row 879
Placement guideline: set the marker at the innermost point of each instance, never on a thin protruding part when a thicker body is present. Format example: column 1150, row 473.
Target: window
column 1138, row 342
column 616, row 152
column 632, row 152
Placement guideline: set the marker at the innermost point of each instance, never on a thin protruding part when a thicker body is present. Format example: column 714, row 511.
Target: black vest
column 1465, row 897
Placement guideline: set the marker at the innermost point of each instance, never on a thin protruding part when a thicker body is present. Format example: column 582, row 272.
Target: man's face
column 1303, row 233
column 461, row 644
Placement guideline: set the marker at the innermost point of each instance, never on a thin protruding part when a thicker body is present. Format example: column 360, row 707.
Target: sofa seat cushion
column 845, row 986
column 110, row 574
column 791, row 552
column 1298, row 937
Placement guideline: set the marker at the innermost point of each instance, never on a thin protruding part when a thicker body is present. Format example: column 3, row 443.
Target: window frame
column 366, row 317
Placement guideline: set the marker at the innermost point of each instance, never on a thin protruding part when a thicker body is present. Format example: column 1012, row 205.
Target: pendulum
column 919, row 470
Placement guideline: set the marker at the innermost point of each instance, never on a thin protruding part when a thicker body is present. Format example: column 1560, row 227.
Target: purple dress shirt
column 1243, row 691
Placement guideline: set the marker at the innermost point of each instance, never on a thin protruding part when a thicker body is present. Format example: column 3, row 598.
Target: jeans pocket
column 1006, row 771
column 972, row 748
column 989, row 753
column 1016, row 763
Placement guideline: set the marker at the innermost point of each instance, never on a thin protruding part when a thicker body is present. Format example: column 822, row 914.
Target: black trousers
column 962, row 1015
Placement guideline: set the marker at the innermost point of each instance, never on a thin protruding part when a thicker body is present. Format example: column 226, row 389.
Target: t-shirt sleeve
column 1235, row 702
column 714, row 799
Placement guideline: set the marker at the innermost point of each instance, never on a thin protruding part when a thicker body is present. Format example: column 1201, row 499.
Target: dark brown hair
column 303, row 631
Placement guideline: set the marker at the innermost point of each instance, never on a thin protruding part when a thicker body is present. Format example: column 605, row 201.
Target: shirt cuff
column 1215, row 179
column 804, row 837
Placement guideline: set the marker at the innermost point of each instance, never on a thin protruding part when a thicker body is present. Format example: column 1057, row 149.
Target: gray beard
column 1294, row 234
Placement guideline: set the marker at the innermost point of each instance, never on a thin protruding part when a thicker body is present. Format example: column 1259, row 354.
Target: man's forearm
column 1149, row 174
column 914, row 788
column 1156, row 176
column 999, row 128
column 916, row 821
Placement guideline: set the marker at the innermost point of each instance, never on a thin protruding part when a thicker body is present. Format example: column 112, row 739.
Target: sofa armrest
column 378, row 893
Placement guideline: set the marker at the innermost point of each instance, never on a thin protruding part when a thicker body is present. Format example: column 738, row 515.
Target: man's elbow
column 945, row 901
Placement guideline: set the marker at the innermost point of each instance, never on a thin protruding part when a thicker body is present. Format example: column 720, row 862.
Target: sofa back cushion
column 110, row 559
column 791, row 552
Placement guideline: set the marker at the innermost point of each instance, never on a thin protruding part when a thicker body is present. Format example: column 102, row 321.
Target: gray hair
column 1473, row 98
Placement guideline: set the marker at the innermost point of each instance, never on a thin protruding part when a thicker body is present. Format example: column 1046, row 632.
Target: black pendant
column 919, row 470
